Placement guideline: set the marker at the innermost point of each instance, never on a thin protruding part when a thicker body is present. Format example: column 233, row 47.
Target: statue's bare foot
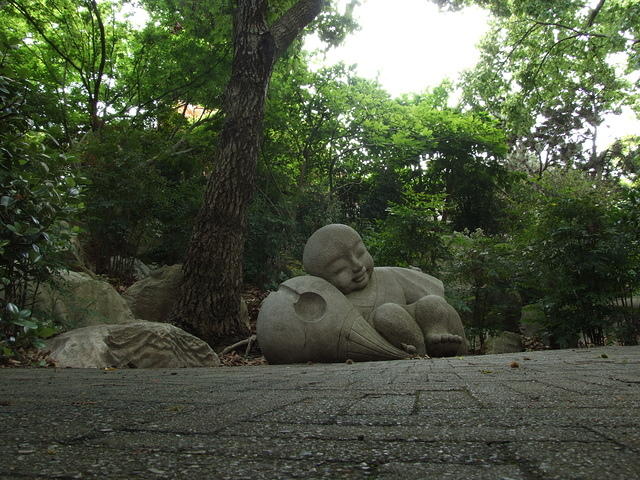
column 444, row 344
column 410, row 349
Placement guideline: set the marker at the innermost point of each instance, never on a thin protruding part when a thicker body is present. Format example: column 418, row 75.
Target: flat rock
column 137, row 345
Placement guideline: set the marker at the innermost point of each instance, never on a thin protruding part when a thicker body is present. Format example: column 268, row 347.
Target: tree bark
column 209, row 301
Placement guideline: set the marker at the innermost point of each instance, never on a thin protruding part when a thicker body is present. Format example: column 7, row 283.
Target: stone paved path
column 571, row 414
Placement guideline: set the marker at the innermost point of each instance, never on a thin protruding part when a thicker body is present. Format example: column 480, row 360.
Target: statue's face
column 341, row 258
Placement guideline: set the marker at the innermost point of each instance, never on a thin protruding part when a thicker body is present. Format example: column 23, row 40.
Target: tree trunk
column 209, row 302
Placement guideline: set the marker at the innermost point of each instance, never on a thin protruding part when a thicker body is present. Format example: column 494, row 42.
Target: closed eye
column 338, row 271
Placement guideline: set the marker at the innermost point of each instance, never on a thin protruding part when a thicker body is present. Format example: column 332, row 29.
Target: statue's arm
column 417, row 284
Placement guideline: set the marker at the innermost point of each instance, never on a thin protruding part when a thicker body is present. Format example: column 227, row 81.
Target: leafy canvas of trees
column 108, row 131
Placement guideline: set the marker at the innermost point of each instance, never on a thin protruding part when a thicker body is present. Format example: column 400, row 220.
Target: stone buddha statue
column 399, row 311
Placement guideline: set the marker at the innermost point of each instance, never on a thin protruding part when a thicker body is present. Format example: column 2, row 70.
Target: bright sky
column 410, row 45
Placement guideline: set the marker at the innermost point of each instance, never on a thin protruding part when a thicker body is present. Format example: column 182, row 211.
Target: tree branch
column 582, row 33
column 291, row 23
column 103, row 59
column 521, row 41
column 34, row 23
column 594, row 13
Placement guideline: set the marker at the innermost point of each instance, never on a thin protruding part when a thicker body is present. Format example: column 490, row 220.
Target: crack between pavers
column 625, row 381
column 527, row 467
column 97, row 434
column 416, row 403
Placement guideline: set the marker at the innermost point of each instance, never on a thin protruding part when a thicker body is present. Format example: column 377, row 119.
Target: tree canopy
column 205, row 137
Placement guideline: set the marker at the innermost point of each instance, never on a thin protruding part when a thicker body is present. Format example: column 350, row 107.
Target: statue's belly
column 382, row 288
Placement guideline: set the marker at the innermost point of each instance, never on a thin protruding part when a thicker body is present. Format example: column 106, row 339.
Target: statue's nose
column 357, row 265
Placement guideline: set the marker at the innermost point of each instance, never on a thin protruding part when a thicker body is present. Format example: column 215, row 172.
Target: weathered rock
column 631, row 303
column 505, row 342
column 136, row 345
column 129, row 267
column 140, row 269
column 74, row 257
column 152, row 298
column 78, row 300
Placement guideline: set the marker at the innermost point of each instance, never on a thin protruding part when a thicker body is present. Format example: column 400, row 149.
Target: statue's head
column 337, row 254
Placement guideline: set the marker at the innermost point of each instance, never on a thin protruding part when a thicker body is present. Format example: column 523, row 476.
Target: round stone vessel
column 308, row 319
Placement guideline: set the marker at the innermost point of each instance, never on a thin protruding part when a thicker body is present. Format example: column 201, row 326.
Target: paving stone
column 566, row 414
column 578, row 460
column 454, row 472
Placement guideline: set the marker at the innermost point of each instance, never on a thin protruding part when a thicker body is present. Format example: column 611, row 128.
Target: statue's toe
column 443, row 344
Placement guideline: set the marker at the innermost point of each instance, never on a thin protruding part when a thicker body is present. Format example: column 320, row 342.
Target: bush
column 39, row 198
column 481, row 285
column 142, row 196
column 580, row 256
column 270, row 238
column 411, row 234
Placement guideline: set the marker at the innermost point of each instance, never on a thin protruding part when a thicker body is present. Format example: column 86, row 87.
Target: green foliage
column 481, row 285
column 270, row 239
column 141, row 195
column 552, row 73
column 580, row 256
column 465, row 162
column 411, row 234
column 39, row 199
column 412, row 173
column 72, row 50
column 626, row 222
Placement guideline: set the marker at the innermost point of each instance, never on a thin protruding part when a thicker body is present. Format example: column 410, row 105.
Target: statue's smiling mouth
column 360, row 277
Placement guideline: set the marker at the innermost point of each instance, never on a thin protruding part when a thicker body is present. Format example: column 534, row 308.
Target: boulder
column 152, row 298
column 129, row 266
column 77, row 300
column 140, row 269
column 631, row 303
column 135, row 345
column 505, row 342
column 74, row 257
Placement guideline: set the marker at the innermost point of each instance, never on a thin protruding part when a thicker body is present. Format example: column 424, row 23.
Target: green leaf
column 7, row 352
column 13, row 309
column 46, row 332
column 14, row 229
column 23, row 322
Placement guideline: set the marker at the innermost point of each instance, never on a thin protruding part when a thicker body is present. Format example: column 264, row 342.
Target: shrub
column 411, row 234
column 39, row 198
